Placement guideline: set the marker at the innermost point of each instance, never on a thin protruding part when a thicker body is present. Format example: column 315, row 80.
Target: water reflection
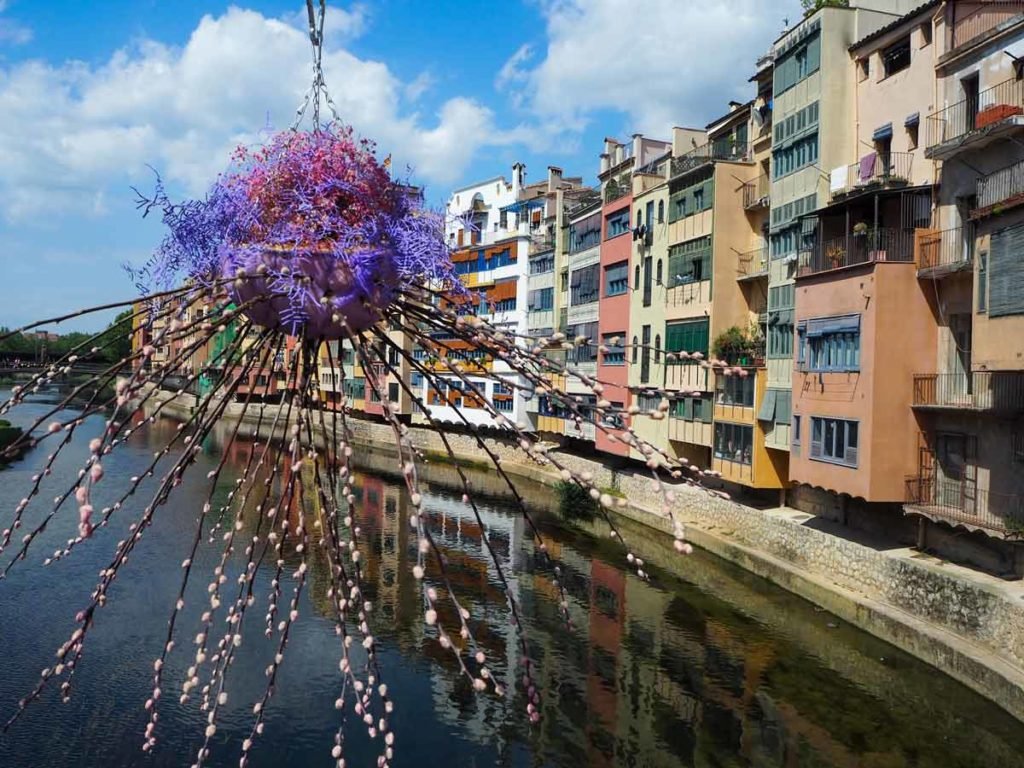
column 705, row 666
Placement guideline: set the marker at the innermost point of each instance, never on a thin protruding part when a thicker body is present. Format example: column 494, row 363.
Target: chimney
column 638, row 143
column 518, row 179
column 554, row 177
column 605, row 162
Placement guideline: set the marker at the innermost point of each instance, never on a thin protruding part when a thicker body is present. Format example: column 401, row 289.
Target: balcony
column 616, row 189
column 979, row 22
column 1001, row 189
column 871, row 246
column 753, row 264
column 723, row 149
column 944, row 252
column 756, row 193
column 987, row 391
column 962, row 503
column 874, row 171
column 976, row 121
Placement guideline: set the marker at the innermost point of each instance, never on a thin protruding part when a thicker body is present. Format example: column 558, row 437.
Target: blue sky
column 92, row 92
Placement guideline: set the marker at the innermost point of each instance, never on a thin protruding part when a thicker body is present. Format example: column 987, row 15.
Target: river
column 705, row 665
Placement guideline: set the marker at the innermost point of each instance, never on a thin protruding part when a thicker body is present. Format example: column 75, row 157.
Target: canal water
column 705, row 665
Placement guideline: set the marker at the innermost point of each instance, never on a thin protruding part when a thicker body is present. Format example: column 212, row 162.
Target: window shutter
column 688, row 408
column 767, row 411
column 783, row 406
column 1006, row 272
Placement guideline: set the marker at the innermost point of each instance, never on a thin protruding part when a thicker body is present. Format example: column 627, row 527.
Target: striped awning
column 882, row 132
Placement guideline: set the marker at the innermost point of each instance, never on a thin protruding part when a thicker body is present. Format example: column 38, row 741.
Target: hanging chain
column 319, row 86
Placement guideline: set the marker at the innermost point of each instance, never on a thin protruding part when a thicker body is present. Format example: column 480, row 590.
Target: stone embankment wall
column 968, row 625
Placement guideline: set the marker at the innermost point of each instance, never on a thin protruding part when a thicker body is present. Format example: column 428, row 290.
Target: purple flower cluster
column 311, row 229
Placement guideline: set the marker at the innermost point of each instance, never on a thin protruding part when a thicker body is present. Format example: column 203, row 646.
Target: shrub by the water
column 574, row 501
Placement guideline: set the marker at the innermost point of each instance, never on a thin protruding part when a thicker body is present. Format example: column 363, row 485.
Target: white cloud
column 513, row 71
column 11, row 32
column 72, row 130
column 662, row 62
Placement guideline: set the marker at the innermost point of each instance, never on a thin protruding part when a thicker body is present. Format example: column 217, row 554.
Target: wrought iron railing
column 887, row 168
column 754, row 263
column 990, row 106
column 985, row 17
column 1000, row 391
column 615, row 189
column 960, row 501
column 714, row 150
column 889, row 245
column 1002, row 185
column 946, row 248
column 756, row 192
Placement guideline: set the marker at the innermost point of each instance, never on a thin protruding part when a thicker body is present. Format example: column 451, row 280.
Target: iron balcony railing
column 946, row 249
column 1003, row 100
column 1002, row 186
column 890, row 245
column 754, row 263
column 756, row 193
column 959, row 501
column 723, row 149
column 890, row 168
column 983, row 18
column 996, row 391
column 615, row 189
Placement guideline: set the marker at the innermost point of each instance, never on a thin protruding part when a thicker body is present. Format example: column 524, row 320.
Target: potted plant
column 734, row 346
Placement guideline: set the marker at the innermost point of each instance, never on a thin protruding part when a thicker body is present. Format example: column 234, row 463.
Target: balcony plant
column 736, row 346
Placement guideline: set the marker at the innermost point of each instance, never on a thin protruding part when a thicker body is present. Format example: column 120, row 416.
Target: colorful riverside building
column 623, row 166
column 968, row 398
column 490, row 228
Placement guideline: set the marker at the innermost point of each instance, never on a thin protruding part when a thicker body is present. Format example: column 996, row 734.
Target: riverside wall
column 967, row 624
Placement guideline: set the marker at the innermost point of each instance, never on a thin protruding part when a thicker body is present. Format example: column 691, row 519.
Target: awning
column 780, row 317
column 912, row 120
column 829, row 325
column 767, row 411
column 524, row 205
column 882, row 132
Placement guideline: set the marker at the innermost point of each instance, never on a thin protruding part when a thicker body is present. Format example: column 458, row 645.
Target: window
column 636, row 277
column 636, row 349
column 616, row 279
column 639, row 217
column 834, row 440
column 896, row 57
column 735, row 390
column 583, row 285
column 657, row 348
column 791, row 158
column 416, row 380
column 780, row 334
column 833, row 344
column 648, row 403
column 393, row 392
column 658, row 274
column 926, row 34
column 645, row 353
column 689, row 262
column 794, row 436
column 864, row 67
column 697, row 408
column 661, row 211
column 801, row 346
column 982, row 282
column 688, row 336
column 585, row 233
column 797, row 61
column 693, row 198
column 616, row 354
column 912, row 134
column 541, row 299
column 617, row 223
column 613, row 416
column 542, row 264
column 505, row 404
column 582, row 353
column 650, row 214
column 565, row 281
column 734, row 442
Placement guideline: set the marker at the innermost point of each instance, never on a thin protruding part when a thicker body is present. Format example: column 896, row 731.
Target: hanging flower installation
column 307, row 245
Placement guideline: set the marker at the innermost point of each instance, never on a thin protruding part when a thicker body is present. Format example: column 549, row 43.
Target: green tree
column 117, row 338
column 810, row 6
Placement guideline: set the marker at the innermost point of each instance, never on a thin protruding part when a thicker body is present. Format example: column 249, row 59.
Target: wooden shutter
column 1006, row 272
column 767, row 410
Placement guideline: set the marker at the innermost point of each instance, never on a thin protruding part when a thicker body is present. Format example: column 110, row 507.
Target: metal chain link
column 319, row 86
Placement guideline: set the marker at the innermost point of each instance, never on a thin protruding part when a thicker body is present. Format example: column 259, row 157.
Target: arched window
column 657, row 348
column 636, row 348
column 639, row 217
column 658, row 276
column 661, row 211
column 636, row 278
